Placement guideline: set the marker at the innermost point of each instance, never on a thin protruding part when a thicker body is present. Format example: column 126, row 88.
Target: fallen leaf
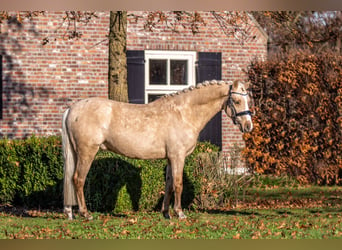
column 256, row 235
column 277, row 233
column 133, row 221
column 105, row 222
column 125, row 232
column 262, row 226
column 237, row 236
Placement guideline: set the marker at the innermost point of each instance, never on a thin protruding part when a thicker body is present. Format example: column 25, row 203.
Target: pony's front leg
column 177, row 166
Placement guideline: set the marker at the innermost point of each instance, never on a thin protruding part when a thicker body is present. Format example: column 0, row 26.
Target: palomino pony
column 166, row 128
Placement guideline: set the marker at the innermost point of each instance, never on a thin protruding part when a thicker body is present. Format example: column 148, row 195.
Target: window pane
column 153, row 97
column 158, row 71
column 179, row 72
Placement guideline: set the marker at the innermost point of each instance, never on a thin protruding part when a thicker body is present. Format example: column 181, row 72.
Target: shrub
column 298, row 124
column 221, row 182
column 119, row 183
column 9, row 171
column 29, row 168
column 31, row 174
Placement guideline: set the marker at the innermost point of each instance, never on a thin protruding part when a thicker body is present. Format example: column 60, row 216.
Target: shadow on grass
column 231, row 212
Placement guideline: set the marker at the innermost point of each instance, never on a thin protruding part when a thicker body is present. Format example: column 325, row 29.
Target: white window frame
column 159, row 89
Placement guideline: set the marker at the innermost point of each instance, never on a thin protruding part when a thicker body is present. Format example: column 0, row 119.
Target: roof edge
column 263, row 32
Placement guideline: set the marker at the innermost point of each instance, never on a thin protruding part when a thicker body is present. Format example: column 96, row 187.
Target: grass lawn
column 298, row 213
column 234, row 224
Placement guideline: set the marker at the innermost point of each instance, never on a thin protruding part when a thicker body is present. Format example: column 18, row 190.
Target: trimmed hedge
column 31, row 174
column 31, row 171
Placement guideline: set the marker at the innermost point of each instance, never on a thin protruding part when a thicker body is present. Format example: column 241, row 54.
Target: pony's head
column 237, row 106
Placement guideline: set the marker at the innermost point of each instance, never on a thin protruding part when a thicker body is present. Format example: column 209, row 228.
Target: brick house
column 38, row 81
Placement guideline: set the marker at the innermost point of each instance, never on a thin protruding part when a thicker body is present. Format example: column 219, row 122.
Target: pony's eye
column 237, row 102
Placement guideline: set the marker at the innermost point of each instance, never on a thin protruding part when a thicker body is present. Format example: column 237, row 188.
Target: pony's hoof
column 86, row 216
column 71, row 217
column 181, row 216
column 69, row 214
column 166, row 215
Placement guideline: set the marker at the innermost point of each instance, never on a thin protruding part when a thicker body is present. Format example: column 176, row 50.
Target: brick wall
column 211, row 38
column 40, row 81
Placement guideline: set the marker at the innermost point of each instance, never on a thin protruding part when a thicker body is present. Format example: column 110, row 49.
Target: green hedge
column 31, row 170
column 31, row 174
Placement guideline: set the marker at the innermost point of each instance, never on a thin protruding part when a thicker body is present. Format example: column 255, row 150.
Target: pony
column 167, row 128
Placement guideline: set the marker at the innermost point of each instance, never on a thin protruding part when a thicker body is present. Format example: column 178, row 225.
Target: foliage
column 66, row 30
column 31, row 174
column 117, row 183
column 232, row 23
column 172, row 20
column 221, row 184
column 297, row 127
column 31, row 167
column 313, row 30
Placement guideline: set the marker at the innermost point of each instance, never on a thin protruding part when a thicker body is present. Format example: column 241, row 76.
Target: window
column 167, row 72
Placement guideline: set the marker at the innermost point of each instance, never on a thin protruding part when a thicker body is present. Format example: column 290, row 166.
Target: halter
column 231, row 105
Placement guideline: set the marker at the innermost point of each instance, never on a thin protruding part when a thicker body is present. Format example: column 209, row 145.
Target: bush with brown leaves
column 298, row 121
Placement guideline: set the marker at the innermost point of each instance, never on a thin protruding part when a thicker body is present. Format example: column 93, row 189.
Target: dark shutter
column 209, row 68
column 136, row 76
column 0, row 87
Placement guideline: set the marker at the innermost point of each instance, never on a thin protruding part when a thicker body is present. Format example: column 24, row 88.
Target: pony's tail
column 69, row 164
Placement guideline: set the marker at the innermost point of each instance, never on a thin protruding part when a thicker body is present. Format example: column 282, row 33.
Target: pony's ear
column 248, row 85
column 236, row 84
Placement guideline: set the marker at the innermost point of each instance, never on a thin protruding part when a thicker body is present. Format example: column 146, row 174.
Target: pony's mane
column 198, row 86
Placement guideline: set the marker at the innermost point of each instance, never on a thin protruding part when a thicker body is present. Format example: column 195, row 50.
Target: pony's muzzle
column 245, row 123
column 247, row 126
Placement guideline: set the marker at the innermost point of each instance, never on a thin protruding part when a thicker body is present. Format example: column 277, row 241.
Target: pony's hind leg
column 177, row 165
column 168, row 192
column 84, row 161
